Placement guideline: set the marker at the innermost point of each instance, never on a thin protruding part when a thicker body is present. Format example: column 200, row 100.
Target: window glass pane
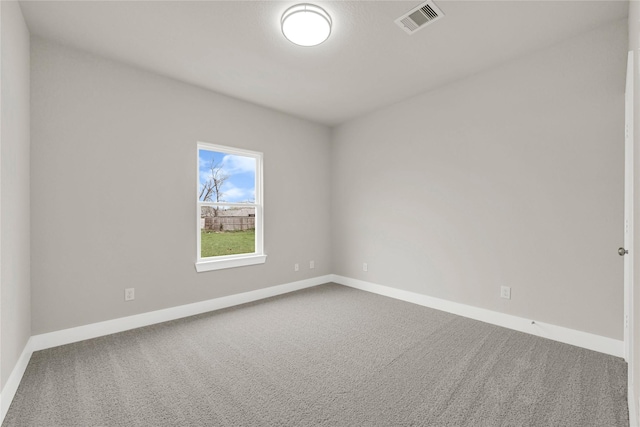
column 226, row 177
column 227, row 230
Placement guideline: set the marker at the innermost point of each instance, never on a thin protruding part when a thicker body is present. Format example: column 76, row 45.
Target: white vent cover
column 419, row 17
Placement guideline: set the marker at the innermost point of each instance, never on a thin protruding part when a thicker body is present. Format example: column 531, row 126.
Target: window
column 229, row 208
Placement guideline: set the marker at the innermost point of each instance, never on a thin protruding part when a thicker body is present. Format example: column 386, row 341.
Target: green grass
column 227, row 243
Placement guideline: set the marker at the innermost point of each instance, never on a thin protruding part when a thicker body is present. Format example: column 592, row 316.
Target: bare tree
column 211, row 190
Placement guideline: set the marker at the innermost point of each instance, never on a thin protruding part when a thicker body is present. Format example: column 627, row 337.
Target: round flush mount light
column 306, row 24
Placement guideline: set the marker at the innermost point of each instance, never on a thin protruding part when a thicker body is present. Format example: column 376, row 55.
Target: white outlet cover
column 296, row 267
column 129, row 294
column 505, row 292
column 312, row 264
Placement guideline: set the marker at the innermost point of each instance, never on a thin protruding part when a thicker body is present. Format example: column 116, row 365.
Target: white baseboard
column 553, row 332
column 94, row 330
column 633, row 411
column 11, row 386
column 80, row 333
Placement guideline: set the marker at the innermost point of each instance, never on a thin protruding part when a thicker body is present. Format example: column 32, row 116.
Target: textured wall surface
column 15, row 302
column 511, row 177
column 112, row 143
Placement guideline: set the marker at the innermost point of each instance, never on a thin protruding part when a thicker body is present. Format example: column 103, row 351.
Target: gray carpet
column 325, row 356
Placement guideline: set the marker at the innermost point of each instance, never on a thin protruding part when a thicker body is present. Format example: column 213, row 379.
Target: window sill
column 239, row 261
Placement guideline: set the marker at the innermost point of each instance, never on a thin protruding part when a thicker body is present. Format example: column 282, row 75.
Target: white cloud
column 233, row 190
column 202, row 163
column 233, row 194
column 204, row 176
column 238, row 164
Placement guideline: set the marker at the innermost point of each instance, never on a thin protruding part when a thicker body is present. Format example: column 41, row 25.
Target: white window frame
column 238, row 260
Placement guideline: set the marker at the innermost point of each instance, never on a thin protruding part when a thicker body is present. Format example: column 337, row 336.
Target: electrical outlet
column 296, row 267
column 365, row 267
column 312, row 264
column 129, row 294
column 505, row 292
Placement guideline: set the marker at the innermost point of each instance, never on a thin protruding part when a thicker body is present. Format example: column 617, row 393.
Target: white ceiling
column 237, row 48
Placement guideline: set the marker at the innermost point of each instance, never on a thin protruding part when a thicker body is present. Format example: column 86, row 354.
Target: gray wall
column 113, row 189
column 510, row 177
column 15, row 303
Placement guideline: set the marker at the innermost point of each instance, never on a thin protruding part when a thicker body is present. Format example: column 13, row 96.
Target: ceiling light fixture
column 306, row 24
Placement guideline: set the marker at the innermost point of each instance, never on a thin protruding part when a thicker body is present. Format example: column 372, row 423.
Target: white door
column 627, row 251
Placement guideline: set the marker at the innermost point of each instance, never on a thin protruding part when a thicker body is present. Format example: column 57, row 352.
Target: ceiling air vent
column 419, row 17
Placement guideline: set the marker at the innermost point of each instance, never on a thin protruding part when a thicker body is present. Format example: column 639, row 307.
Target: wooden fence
column 229, row 223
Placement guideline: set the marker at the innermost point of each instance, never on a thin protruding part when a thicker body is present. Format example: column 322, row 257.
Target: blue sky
column 240, row 186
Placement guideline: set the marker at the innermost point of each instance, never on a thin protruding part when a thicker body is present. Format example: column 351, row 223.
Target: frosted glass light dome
column 306, row 24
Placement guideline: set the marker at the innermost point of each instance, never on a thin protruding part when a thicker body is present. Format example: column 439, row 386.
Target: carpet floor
column 324, row 356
